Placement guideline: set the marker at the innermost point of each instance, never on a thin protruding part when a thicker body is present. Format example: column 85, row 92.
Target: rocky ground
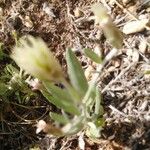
column 124, row 86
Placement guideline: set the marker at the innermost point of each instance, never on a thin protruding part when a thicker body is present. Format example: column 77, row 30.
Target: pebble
column 135, row 26
column 143, row 46
column 98, row 50
column 77, row 12
column 27, row 22
column 116, row 63
column 148, row 10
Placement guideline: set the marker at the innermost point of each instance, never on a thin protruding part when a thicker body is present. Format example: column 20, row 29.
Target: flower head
column 34, row 57
column 100, row 13
column 111, row 32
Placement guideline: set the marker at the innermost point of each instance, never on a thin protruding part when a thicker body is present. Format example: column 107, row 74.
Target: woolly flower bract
column 33, row 56
column 111, row 32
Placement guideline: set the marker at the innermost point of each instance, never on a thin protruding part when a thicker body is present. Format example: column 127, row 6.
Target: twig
column 28, row 107
column 116, row 110
column 129, row 13
column 109, row 56
column 119, row 76
column 29, row 121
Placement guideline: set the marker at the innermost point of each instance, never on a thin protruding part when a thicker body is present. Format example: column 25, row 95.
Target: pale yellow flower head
column 111, row 32
column 100, row 13
column 33, row 56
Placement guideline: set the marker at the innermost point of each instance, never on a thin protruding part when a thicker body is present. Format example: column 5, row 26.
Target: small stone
column 77, row 12
column 143, row 46
column 127, row 120
column 135, row 26
column 98, row 50
column 147, row 117
column 111, row 2
column 27, row 22
column 48, row 10
column 148, row 10
column 41, row 125
column 116, row 63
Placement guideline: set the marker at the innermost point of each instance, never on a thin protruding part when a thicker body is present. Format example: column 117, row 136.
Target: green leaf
column 58, row 92
column 58, row 118
column 76, row 73
column 66, row 106
column 93, row 56
column 3, row 88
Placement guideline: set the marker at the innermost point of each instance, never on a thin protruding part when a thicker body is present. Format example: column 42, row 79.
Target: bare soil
column 125, row 88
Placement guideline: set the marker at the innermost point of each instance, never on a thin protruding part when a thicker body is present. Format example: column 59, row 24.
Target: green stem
column 109, row 56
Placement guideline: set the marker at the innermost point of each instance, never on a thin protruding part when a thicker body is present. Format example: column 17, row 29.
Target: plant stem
column 109, row 56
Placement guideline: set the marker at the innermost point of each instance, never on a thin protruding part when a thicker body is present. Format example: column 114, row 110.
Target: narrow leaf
column 58, row 92
column 66, row 106
column 76, row 73
column 92, row 55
